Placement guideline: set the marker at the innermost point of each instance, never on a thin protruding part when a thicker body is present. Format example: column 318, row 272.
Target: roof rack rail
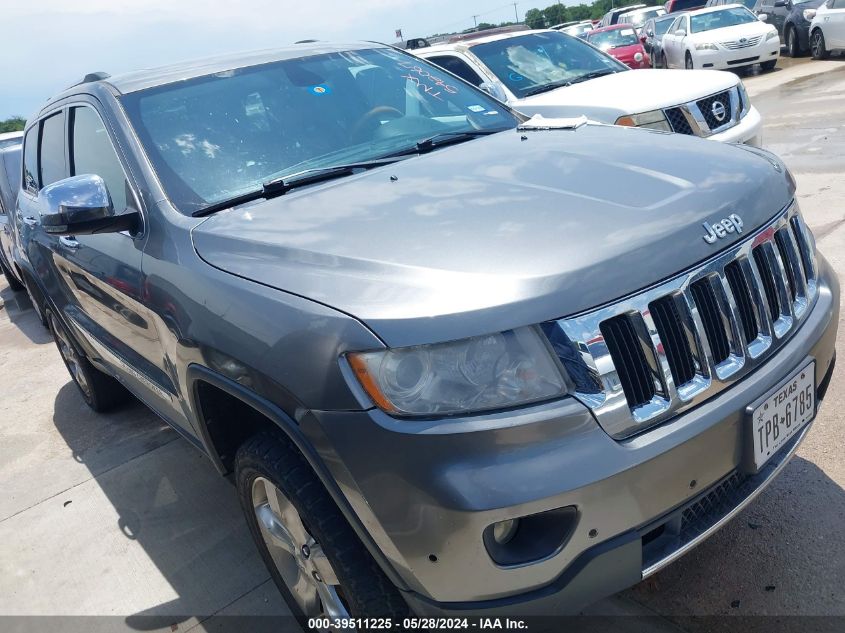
column 91, row 77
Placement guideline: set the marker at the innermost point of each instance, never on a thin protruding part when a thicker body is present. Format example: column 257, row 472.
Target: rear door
column 10, row 175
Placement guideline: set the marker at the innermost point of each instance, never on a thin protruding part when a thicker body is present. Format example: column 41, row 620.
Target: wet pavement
column 785, row 554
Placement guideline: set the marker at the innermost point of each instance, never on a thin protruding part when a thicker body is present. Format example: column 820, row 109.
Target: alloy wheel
column 71, row 357
column 818, row 49
column 298, row 557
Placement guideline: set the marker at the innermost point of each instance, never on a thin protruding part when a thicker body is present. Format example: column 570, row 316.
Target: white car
column 8, row 139
column 827, row 30
column 553, row 74
column 721, row 37
column 638, row 17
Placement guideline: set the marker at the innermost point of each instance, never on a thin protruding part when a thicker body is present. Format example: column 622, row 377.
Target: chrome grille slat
column 737, row 44
column 695, row 118
column 789, row 247
column 660, row 395
column 760, row 307
column 781, row 284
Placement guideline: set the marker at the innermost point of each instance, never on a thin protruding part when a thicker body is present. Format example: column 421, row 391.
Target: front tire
column 769, row 65
column 315, row 558
column 817, row 45
column 100, row 391
column 793, row 49
column 688, row 62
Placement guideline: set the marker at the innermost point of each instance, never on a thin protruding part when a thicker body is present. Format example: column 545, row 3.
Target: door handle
column 69, row 241
column 30, row 221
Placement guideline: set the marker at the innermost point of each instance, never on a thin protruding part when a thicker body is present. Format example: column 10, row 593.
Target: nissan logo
column 719, row 111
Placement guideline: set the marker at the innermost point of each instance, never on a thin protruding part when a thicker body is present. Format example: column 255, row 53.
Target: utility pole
column 515, row 13
column 475, row 19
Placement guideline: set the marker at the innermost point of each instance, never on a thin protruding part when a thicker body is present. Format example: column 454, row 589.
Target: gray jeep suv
column 458, row 362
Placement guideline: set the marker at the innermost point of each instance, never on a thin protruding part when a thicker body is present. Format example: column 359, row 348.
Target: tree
column 13, row 124
column 534, row 19
column 579, row 12
column 555, row 14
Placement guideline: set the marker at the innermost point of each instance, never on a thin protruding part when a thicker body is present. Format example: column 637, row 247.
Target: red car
column 621, row 41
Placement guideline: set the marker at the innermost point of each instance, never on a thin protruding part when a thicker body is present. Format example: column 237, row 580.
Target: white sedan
column 827, row 32
column 722, row 37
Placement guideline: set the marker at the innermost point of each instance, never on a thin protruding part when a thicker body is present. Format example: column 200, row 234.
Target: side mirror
column 494, row 90
column 763, row 17
column 681, row 33
column 81, row 205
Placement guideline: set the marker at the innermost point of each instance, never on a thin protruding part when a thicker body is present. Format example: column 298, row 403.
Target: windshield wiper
column 546, row 88
column 280, row 186
column 593, row 75
column 448, row 138
column 568, row 82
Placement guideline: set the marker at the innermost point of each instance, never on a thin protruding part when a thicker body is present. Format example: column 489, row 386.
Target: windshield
column 638, row 18
column 614, row 38
column 213, row 138
column 720, row 19
column 528, row 62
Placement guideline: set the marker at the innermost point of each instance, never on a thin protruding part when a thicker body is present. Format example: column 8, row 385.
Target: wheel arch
column 213, row 394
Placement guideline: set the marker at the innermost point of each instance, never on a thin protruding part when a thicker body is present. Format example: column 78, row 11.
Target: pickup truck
column 456, row 361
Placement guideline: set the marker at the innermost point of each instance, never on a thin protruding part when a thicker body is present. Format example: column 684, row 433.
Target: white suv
column 555, row 75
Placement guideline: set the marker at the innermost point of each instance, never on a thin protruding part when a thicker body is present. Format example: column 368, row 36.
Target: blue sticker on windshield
column 516, row 77
column 320, row 90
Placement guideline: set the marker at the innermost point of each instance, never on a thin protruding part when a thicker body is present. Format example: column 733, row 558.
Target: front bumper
column 724, row 59
column 749, row 130
column 426, row 491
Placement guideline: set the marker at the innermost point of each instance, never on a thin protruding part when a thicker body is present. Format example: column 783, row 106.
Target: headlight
column 809, row 14
column 706, row 46
column 476, row 374
column 773, row 35
column 744, row 101
column 654, row 120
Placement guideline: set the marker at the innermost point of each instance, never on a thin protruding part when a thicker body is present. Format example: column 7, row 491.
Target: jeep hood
column 499, row 232
column 628, row 92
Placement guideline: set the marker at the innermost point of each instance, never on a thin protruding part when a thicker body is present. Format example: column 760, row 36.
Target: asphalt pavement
column 115, row 515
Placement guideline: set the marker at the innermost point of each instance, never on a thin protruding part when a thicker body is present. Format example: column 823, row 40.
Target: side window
column 458, row 67
column 92, row 152
column 30, row 160
column 52, row 149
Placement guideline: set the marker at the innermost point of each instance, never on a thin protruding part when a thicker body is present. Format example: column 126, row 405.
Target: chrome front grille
column 699, row 118
column 646, row 358
column 743, row 42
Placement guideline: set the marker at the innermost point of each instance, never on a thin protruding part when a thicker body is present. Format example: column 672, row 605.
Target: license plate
column 783, row 413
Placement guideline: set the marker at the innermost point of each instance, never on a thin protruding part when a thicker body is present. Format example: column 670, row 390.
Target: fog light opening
column 504, row 531
column 531, row 538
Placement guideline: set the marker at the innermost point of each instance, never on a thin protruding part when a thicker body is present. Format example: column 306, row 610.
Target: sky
column 46, row 45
